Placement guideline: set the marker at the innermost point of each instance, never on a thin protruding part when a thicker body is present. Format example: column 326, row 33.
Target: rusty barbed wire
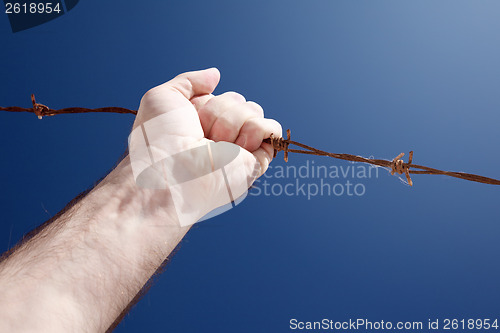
column 44, row 111
column 396, row 165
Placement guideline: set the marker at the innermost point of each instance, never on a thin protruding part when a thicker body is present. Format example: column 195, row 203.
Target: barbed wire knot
column 39, row 109
column 280, row 144
column 400, row 167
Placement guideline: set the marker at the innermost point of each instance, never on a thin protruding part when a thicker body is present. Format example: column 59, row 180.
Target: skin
column 79, row 272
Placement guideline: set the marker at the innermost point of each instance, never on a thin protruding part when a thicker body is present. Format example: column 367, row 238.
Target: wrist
column 136, row 222
column 154, row 206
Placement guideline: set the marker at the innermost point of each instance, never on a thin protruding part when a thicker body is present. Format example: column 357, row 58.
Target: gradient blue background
column 363, row 77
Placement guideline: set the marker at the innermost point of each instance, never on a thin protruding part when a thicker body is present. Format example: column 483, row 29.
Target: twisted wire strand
column 44, row 111
column 396, row 165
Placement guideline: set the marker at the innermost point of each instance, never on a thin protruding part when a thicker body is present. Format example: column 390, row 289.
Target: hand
column 176, row 120
column 81, row 270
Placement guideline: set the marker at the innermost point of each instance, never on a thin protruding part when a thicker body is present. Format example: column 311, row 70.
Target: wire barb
column 280, row 144
column 400, row 167
column 39, row 109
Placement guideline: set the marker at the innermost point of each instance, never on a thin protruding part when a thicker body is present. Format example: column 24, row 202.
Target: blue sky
column 365, row 77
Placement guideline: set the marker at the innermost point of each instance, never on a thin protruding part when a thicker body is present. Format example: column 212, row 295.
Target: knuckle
column 256, row 108
column 221, row 124
column 275, row 125
column 150, row 93
column 234, row 96
column 223, row 128
column 274, row 122
column 211, row 106
column 223, row 102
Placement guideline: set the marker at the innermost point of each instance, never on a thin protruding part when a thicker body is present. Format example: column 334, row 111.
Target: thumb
column 176, row 95
column 197, row 83
column 177, row 92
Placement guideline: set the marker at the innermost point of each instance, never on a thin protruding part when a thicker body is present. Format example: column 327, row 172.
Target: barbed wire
column 43, row 110
column 396, row 165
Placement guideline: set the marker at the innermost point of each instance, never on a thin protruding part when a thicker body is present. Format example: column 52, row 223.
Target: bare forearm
column 83, row 269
